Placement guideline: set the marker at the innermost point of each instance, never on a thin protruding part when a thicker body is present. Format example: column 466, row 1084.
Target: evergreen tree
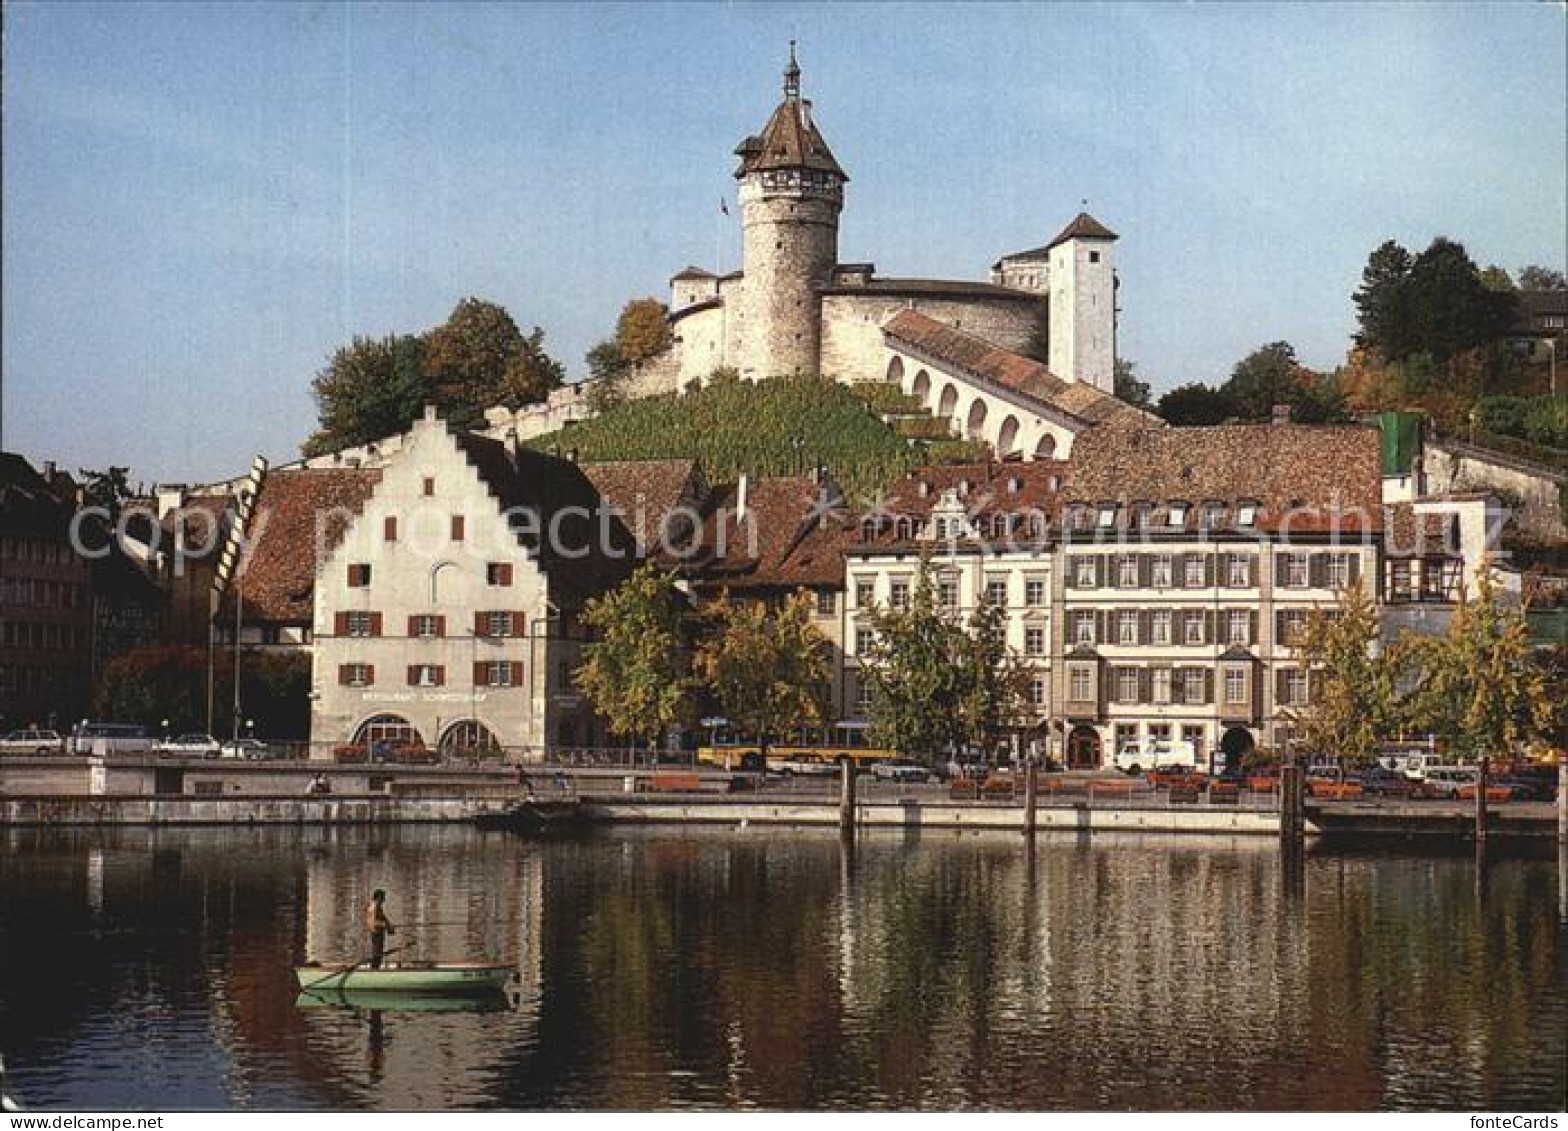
column 1382, row 303
column 1195, row 404
column 371, row 388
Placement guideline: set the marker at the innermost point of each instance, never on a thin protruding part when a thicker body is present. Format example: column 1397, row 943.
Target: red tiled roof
column 790, row 140
column 1012, row 371
column 793, row 534
column 989, row 492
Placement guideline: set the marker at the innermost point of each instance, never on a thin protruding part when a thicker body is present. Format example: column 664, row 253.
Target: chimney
column 170, row 496
column 741, row 491
column 49, row 471
column 1281, row 414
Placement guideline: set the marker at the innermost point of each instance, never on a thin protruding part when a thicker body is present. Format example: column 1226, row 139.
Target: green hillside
column 777, row 427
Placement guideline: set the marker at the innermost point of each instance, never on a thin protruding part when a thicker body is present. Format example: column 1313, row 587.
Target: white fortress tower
column 791, row 192
column 1083, row 303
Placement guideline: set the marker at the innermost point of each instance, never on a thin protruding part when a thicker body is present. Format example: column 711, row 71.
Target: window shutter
column 1279, row 570
column 1145, row 625
column 518, row 623
column 1208, row 570
column 1104, row 629
column 1178, row 571
column 1279, row 627
column 441, row 625
column 480, row 674
column 479, row 623
column 1317, row 571
column 1145, row 685
column 1099, row 571
column 413, row 675
column 457, row 528
column 1224, row 569
column 413, row 625
column 1280, row 694
column 370, row 673
column 1252, row 628
column 343, row 674
column 1252, row 570
column 389, row 527
column 340, row 623
column 1178, row 687
column 517, row 673
column 1145, row 571
column 506, row 573
column 1211, row 632
column 375, row 624
column 1314, row 686
column 440, row 674
column 1354, row 573
column 1208, row 685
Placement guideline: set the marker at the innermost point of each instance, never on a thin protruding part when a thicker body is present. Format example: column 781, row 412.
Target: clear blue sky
column 202, row 202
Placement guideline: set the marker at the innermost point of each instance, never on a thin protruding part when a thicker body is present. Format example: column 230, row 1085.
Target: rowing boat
column 406, row 977
column 396, row 1001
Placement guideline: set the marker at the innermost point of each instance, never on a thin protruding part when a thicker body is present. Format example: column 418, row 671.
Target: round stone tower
column 791, row 192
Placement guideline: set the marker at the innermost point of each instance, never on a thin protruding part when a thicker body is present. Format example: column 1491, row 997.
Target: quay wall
column 177, row 810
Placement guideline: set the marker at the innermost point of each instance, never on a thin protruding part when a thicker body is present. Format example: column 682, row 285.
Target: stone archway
column 922, row 386
column 381, row 734
column 1045, row 448
column 974, row 424
column 948, row 405
column 1235, row 744
column 1007, row 439
column 895, row 371
column 469, row 737
column 1083, row 748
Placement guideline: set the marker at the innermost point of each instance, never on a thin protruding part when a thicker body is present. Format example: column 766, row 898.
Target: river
column 762, row 968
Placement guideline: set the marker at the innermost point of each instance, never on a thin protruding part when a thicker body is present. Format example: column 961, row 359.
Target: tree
column 768, row 671
column 1450, row 308
column 1495, row 278
column 1127, row 386
column 371, row 388
column 1538, row 278
column 1195, row 404
column 996, row 684
column 478, row 358
column 1482, row 687
column 915, row 677
column 1355, row 701
column 1270, row 375
column 637, row 673
column 643, row 330
column 1382, row 302
column 607, row 370
column 109, row 489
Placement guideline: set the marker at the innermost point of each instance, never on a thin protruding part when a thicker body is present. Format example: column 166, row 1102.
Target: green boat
column 395, row 1001
column 406, row 977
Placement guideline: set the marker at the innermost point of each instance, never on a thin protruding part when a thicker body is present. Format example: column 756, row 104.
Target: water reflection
column 783, row 970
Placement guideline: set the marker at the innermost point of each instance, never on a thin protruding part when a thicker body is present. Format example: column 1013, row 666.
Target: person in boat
column 379, row 926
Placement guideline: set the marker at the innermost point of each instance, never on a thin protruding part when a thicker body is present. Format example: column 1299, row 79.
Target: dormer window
column 1014, row 485
column 1107, row 517
column 1177, row 515
column 1212, row 515
column 1247, row 514
column 1141, row 513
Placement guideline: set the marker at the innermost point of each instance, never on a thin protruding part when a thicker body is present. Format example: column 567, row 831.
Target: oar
column 343, row 974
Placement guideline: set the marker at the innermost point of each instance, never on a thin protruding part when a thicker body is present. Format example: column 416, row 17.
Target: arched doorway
column 384, row 735
column 470, row 738
column 895, row 371
column 1236, row 744
column 922, row 386
column 1007, row 439
column 975, row 426
column 1083, row 748
column 1046, row 448
column 948, row 405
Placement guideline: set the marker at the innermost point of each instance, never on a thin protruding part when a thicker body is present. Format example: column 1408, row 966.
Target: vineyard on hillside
column 783, row 426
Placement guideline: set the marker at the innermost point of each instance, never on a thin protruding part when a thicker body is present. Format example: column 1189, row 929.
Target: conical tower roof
column 1083, row 226
column 790, row 140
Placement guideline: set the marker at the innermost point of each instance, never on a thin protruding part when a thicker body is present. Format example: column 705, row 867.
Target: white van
column 110, row 738
column 1136, row 757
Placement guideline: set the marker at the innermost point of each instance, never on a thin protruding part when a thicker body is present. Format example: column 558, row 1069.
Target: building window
column 356, row 675
column 1034, row 641
column 457, row 528
column 1238, row 571
column 863, row 594
column 996, row 592
column 389, row 528
column 430, row 487
column 1083, row 572
column 1160, row 571
column 1126, row 735
column 1292, row 626
column 1399, row 588
column 1235, row 686
column 1037, row 693
column 1083, row 626
column 498, row 624
column 1034, row 592
column 1107, row 517
column 1247, row 514
column 425, row 626
column 1160, row 626
column 498, row 673
column 1160, row 732
column 827, row 602
column 1160, row 685
column 1177, row 515
column 1238, row 627
column 863, row 696
column 1192, row 627
column 1194, row 685
column 1127, row 626
column 358, row 575
column 899, row 595
column 498, row 573
column 1081, row 681
column 1094, row 257
column 425, row 675
column 1294, row 687
column 1295, row 571
column 1192, row 572
column 862, row 641
column 1127, row 572
column 358, row 623
column 1338, row 571
column 947, row 592
column 1126, row 685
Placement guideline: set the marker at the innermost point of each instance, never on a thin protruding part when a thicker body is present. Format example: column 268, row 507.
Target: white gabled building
column 447, row 616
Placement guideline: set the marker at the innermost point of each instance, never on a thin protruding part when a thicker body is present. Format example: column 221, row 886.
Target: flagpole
column 718, row 238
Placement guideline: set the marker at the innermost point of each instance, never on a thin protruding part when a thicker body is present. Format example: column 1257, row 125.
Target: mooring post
column 1562, row 803
column 846, row 801
column 1292, row 810
column 1483, row 779
column 1031, row 794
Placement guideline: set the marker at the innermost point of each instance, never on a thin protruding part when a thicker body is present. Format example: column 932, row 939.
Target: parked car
column 32, row 742
column 1496, row 792
column 194, row 745
column 1447, row 781
column 808, row 765
column 1382, row 782
column 1136, row 757
column 250, row 749
column 1330, row 783
column 1540, row 782
column 902, row 769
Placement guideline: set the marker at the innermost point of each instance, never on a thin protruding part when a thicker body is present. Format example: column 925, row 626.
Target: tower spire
column 792, row 75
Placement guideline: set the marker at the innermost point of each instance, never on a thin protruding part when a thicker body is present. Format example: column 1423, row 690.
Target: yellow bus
column 802, row 750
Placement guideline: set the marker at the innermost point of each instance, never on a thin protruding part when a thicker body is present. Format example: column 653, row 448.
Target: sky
column 202, row 202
